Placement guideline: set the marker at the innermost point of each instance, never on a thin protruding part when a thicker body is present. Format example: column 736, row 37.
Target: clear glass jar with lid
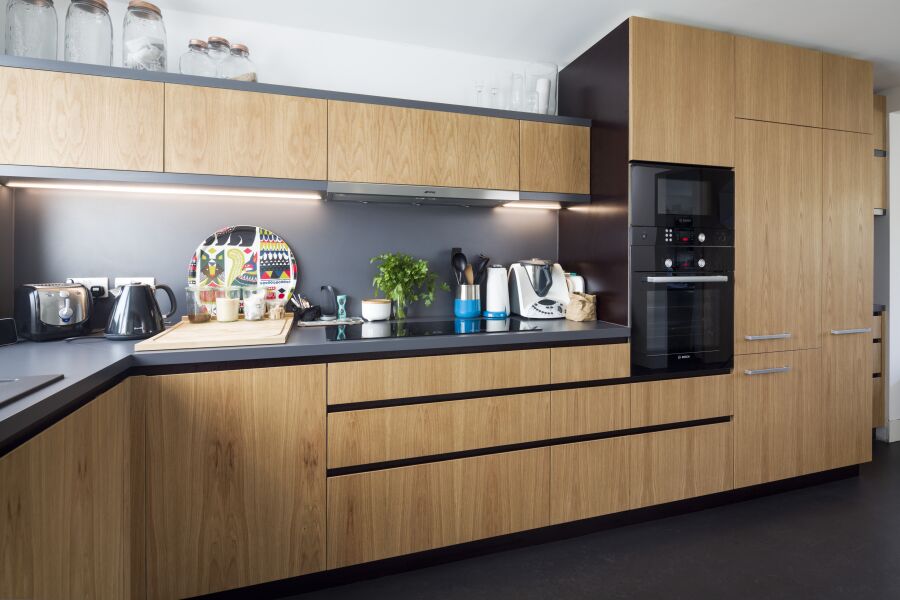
column 89, row 33
column 144, row 37
column 31, row 29
column 219, row 49
column 238, row 65
column 196, row 60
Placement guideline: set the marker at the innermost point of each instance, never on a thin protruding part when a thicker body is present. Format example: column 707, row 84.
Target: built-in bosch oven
column 682, row 268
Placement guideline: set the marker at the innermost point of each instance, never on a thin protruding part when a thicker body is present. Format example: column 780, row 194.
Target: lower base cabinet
column 235, row 478
column 589, row 479
column 380, row 514
column 71, row 506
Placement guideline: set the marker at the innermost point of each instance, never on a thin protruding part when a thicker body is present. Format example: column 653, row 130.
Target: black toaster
column 52, row 311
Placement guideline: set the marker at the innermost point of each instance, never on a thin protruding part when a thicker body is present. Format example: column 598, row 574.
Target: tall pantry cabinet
column 803, row 273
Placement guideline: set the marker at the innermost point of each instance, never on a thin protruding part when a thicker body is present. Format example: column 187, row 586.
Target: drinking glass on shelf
column 478, row 94
column 517, row 92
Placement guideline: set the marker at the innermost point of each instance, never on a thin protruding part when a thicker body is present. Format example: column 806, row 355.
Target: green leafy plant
column 405, row 280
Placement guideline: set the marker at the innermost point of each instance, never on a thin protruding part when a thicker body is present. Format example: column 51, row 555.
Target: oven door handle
column 687, row 279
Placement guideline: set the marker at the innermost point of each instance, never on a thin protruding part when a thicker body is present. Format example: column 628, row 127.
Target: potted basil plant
column 404, row 280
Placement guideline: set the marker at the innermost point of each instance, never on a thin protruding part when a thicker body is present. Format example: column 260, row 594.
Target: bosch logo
column 683, row 356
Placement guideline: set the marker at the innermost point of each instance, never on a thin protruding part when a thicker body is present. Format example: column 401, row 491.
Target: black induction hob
column 400, row 329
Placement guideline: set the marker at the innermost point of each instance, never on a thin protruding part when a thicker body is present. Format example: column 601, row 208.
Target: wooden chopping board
column 213, row 334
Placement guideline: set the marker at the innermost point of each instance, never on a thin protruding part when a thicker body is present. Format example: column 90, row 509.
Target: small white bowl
column 376, row 309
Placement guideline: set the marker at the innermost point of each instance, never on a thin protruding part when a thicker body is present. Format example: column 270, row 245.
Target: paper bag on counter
column 582, row 307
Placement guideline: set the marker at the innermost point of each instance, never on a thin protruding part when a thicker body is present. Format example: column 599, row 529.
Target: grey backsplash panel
column 63, row 234
column 7, row 237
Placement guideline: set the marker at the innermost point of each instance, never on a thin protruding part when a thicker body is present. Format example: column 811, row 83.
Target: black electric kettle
column 136, row 313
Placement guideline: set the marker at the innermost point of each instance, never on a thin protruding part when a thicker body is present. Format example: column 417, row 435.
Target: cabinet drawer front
column 674, row 400
column 555, row 158
column 387, row 144
column 876, row 358
column 681, row 463
column 589, row 479
column 590, row 410
column 376, row 435
column 878, row 408
column 879, row 179
column 229, row 132
column 409, row 509
column 877, row 327
column 773, row 409
column 363, row 381
column 67, row 120
column 590, row 363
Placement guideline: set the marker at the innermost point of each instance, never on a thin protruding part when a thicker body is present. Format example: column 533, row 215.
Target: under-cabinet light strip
column 538, row 205
column 163, row 189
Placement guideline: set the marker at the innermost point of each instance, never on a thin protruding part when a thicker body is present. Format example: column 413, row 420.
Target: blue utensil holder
column 467, row 304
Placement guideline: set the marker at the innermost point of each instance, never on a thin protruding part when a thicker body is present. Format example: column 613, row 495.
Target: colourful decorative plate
column 245, row 256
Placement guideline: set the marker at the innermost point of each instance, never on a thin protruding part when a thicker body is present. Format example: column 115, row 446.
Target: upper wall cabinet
column 879, row 125
column 373, row 143
column 228, row 132
column 67, row 120
column 555, row 158
column 847, row 94
column 777, row 83
column 682, row 94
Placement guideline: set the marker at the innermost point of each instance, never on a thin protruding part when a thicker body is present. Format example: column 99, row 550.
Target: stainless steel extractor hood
column 386, row 193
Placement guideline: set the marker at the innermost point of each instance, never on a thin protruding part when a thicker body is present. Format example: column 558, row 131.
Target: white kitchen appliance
column 537, row 289
column 496, row 301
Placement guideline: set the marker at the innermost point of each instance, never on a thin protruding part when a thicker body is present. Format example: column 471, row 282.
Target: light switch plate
column 127, row 280
column 90, row 282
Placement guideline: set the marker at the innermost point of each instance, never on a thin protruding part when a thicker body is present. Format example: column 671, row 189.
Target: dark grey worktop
column 90, row 364
column 61, row 66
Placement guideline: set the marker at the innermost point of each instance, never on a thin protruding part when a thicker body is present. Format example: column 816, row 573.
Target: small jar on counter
column 196, row 60
column 238, row 65
column 219, row 49
column 31, row 29
column 144, row 37
column 89, row 33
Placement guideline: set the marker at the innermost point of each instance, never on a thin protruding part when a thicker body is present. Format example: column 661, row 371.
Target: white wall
column 305, row 58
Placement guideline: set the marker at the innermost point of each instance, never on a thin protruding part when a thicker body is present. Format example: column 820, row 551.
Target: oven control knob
column 701, row 237
column 702, row 262
column 668, row 263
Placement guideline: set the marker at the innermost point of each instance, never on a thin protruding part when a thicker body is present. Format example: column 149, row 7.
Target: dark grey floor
column 836, row 540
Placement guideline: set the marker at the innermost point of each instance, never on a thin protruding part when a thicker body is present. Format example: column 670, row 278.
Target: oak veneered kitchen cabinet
column 587, row 410
column 72, row 520
column 229, row 132
column 839, row 424
column 555, row 158
column 846, row 94
column 879, row 122
column 848, row 248
column 679, row 400
column 777, row 82
column 774, row 395
column 590, row 363
column 69, row 120
column 235, row 478
column 380, row 514
column 589, row 479
column 681, row 94
column 373, row 435
column 374, row 143
column 778, row 237
column 666, row 466
column 392, row 378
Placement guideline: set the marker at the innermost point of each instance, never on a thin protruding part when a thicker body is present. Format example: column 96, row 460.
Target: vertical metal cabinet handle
column 771, row 336
column 783, row 369
column 851, row 331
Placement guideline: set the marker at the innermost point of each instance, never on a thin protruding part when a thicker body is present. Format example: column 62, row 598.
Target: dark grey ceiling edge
column 60, row 66
column 8, row 172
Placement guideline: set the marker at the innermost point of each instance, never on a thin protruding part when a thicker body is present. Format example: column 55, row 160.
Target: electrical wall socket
column 90, row 282
column 127, row 280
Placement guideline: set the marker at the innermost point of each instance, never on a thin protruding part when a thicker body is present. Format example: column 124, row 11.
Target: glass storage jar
column 196, row 60
column 238, row 65
column 31, row 28
column 219, row 50
column 89, row 33
column 144, row 37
